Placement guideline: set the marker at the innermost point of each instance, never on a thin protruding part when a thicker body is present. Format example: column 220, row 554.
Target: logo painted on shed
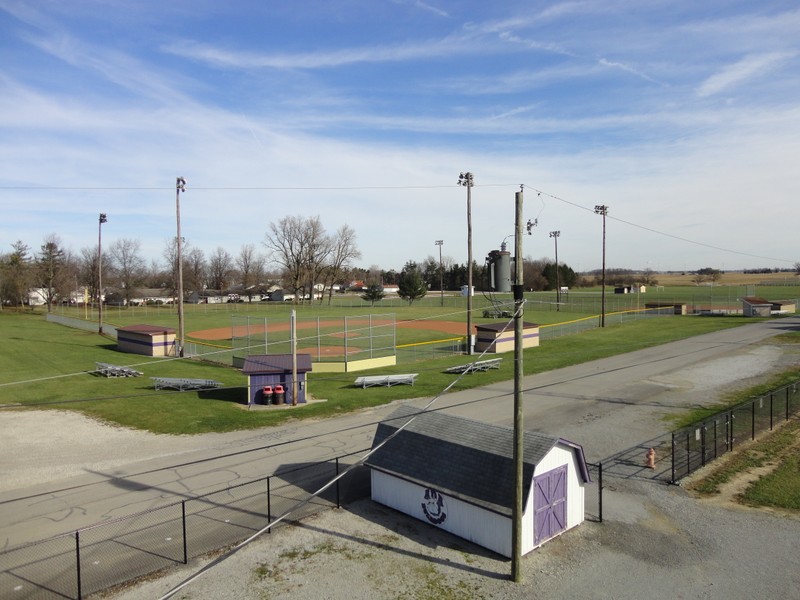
column 434, row 507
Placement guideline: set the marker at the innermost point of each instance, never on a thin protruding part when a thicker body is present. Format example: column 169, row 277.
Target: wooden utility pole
column 516, row 513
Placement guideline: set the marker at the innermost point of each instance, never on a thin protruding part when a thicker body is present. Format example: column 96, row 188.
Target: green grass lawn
column 48, row 366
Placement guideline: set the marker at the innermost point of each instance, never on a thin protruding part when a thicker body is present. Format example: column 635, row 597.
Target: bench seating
column 481, row 365
column 387, row 380
column 110, row 370
column 182, row 384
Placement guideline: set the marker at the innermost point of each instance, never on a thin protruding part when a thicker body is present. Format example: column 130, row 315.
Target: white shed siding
column 478, row 525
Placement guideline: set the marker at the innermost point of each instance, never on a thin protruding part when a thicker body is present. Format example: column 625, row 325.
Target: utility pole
column 467, row 180
column 441, row 273
column 519, row 301
column 554, row 235
column 602, row 209
column 102, row 220
column 180, row 186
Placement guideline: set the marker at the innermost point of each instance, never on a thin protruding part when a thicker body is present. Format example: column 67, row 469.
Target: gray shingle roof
column 462, row 458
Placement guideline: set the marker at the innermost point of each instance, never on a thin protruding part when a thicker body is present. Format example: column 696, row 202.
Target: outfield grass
column 47, row 366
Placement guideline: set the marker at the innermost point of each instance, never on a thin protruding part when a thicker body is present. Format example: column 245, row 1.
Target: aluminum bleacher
column 182, row 384
column 386, row 380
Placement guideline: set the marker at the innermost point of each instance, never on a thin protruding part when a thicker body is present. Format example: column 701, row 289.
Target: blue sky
column 682, row 117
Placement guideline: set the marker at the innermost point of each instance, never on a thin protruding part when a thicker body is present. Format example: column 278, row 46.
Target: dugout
column 499, row 337
column 150, row 340
column 275, row 370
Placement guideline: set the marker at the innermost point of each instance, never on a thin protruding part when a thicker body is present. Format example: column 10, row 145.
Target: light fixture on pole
column 467, row 180
column 441, row 273
column 101, row 220
column 602, row 209
column 180, row 186
column 554, row 235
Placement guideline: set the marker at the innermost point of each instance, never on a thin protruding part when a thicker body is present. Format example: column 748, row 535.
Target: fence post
column 770, row 411
column 787, row 402
column 673, row 457
column 78, row 562
column 753, row 420
column 269, row 505
column 702, row 444
column 338, row 504
column 600, row 490
column 185, row 544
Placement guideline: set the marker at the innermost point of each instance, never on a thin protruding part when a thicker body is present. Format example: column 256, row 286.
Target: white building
column 458, row 475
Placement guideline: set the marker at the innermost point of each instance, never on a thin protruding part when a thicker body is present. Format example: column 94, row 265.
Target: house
column 458, row 474
column 273, row 370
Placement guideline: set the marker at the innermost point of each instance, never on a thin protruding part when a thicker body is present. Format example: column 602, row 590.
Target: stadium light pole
column 100, row 222
column 441, row 273
column 602, row 209
column 467, row 180
column 180, row 186
column 554, row 235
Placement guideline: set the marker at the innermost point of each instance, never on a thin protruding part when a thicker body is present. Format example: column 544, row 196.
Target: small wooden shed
column 499, row 337
column 150, row 340
column 753, row 306
column 274, row 370
column 458, row 475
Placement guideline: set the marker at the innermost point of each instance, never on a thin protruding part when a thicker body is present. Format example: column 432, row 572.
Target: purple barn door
column 549, row 504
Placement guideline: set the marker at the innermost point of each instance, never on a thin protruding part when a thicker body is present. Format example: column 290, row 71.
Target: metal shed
column 275, row 370
column 458, row 475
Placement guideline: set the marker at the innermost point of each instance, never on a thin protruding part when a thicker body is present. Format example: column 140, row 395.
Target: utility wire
column 203, row 570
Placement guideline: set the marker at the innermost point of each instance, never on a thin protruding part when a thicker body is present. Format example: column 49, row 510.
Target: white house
column 457, row 474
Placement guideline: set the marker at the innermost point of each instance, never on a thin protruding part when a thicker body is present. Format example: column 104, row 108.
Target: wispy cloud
column 750, row 67
column 629, row 69
column 225, row 58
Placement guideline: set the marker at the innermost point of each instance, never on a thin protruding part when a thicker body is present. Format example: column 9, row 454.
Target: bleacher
column 481, row 365
column 109, row 370
column 386, row 380
column 182, row 384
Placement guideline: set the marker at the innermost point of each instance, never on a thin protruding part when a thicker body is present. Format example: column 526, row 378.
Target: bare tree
column 195, row 269
column 301, row 248
column 343, row 251
column 89, row 273
column 128, row 265
column 251, row 268
column 220, row 265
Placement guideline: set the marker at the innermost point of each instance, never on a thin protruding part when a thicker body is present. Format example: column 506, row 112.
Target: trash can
column 280, row 395
column 266, row 395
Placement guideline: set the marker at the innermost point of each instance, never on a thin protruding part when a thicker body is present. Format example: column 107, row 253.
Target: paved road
column 609, row 406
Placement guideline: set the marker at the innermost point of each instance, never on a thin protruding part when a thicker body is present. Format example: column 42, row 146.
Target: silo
column 499, row 262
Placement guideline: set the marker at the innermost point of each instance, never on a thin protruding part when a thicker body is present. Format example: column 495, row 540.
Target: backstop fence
column 695, row 446
column 326, row 339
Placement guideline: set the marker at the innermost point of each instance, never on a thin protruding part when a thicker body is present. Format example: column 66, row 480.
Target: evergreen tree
column 411, row 285
column 373, row 293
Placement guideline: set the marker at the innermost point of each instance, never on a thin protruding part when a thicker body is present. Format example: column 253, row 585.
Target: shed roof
column 506, row 326
column 275, row 363
column 147, row 329
column 756, row 300
column 466, row 459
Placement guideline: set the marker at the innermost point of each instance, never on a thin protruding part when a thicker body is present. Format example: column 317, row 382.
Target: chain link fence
column 97, row 558
column 699, row 444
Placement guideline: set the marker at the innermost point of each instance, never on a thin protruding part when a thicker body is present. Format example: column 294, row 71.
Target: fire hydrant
column 651, row 459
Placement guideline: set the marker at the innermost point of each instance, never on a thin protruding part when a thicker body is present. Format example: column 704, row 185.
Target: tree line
column 299, row 256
